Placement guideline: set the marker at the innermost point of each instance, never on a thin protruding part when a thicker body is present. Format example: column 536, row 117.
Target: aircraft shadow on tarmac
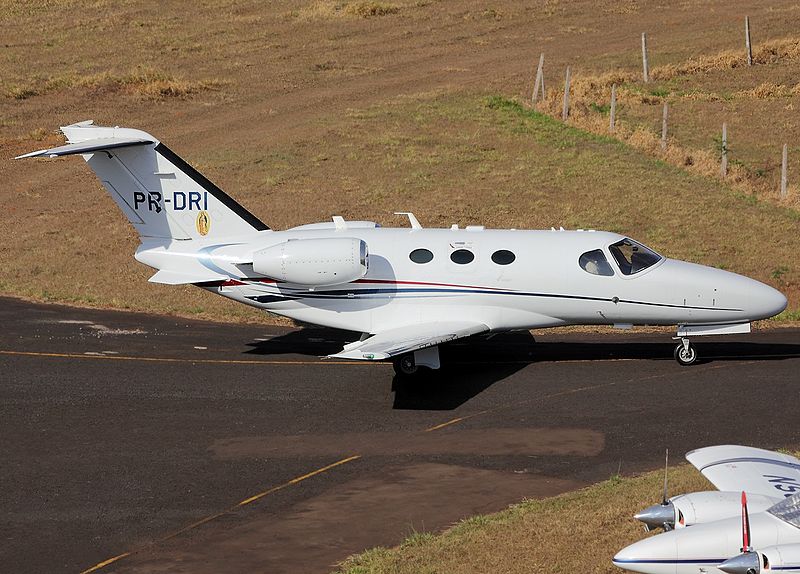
column 473, row 365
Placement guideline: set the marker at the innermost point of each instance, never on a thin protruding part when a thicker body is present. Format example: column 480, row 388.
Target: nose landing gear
column 684, row 353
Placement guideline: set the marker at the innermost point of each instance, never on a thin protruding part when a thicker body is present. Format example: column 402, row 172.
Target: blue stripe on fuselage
column 714, row 561
column 350, row 294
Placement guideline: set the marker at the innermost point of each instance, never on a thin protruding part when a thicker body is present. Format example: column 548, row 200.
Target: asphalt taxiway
column 136, row 443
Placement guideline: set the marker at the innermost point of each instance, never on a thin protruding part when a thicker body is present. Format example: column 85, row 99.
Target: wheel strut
column 684, row 353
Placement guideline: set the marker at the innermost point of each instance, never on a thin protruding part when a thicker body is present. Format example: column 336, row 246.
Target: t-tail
column 169, row 203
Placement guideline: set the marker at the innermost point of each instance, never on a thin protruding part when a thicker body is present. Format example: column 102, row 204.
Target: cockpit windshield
column 633, row 257
column 787, row 510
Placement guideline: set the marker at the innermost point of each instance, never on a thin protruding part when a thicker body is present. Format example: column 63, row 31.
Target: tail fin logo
column 203, row 223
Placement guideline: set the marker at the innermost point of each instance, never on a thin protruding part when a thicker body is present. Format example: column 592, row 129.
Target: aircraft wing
column 393, row 342
column 754, row 470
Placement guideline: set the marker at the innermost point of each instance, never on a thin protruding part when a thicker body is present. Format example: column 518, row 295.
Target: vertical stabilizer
column 161, row 195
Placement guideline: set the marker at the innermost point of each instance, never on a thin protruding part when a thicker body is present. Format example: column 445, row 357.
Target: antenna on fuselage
column 412, row 219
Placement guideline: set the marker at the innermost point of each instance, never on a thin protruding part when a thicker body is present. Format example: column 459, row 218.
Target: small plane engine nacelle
column 315, row 262
column 781, row 557
column 702, row 507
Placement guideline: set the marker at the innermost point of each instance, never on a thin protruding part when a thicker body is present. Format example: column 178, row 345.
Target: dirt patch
column 488, row 442
column 318, row 533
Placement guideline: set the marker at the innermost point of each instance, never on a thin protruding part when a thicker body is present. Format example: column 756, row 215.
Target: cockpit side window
column 595, row 262
column 633, row 257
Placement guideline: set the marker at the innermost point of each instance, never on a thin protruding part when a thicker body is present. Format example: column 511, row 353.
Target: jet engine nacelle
column 702, row 507
column 314, row 262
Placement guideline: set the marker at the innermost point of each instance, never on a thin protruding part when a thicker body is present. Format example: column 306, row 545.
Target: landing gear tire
column 405, row 365
column 685, row 354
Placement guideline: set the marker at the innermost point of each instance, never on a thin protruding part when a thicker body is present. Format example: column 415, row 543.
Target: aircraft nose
column 764, row 301
column 654, row 555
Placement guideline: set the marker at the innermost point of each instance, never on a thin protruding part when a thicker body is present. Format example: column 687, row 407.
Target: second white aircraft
column 751, row 525
column 405, row 290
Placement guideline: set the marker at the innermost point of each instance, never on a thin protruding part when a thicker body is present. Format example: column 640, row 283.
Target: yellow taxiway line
column 179, row 360
column 251, row 499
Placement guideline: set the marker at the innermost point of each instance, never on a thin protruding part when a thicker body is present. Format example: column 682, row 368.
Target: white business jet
column 406, row 290
column 713, row 532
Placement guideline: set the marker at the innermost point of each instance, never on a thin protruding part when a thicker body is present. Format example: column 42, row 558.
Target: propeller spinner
column 659, row 515
column 748, row 562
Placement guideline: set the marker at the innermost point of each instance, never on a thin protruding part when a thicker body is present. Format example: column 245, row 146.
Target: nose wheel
column 684, row 353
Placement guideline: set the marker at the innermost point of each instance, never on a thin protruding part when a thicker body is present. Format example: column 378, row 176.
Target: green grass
column 789, row 315
column 544, row 128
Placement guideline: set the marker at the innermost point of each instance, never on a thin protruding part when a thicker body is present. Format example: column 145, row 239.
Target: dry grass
column 771, row 52
column 589, row 89
column 326, row 9
column 575, row 532
column 141, row 81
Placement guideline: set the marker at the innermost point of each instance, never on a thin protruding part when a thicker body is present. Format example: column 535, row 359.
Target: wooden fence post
column 724, row 163
column 539, row 83
column 565, row 110
column 747, row 41
column 784, row 167
column 645, row 66
column 664, row 116
column 613, row 113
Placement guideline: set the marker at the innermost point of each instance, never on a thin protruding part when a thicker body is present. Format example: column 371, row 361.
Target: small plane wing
column 86, row 146
column 393, row 342
column 755, row 470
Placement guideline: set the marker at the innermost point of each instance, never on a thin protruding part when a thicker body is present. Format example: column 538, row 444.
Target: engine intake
column 315, row 262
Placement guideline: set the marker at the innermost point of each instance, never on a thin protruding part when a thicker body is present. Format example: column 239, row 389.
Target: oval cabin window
column 462, row 256
column 421, row 256
column 503, row 257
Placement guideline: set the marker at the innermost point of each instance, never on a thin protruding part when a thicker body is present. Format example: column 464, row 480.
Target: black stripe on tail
column 201, row 180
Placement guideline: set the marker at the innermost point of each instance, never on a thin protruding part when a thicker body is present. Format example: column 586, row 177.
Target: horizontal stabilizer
column 401, row 340
column 176, row 278
column 87, row 146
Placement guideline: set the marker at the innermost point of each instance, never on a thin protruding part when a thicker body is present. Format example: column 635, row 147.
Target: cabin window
column 503, row 257
column 462, row 256
column 421, row 256
column 633, row 257
column 595, row 262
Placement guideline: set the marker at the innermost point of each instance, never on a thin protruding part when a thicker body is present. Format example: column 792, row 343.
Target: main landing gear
column 405, row 365
column 409, row 365
column 685, row 354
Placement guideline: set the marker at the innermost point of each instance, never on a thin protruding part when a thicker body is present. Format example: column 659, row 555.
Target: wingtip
column 31, row 154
